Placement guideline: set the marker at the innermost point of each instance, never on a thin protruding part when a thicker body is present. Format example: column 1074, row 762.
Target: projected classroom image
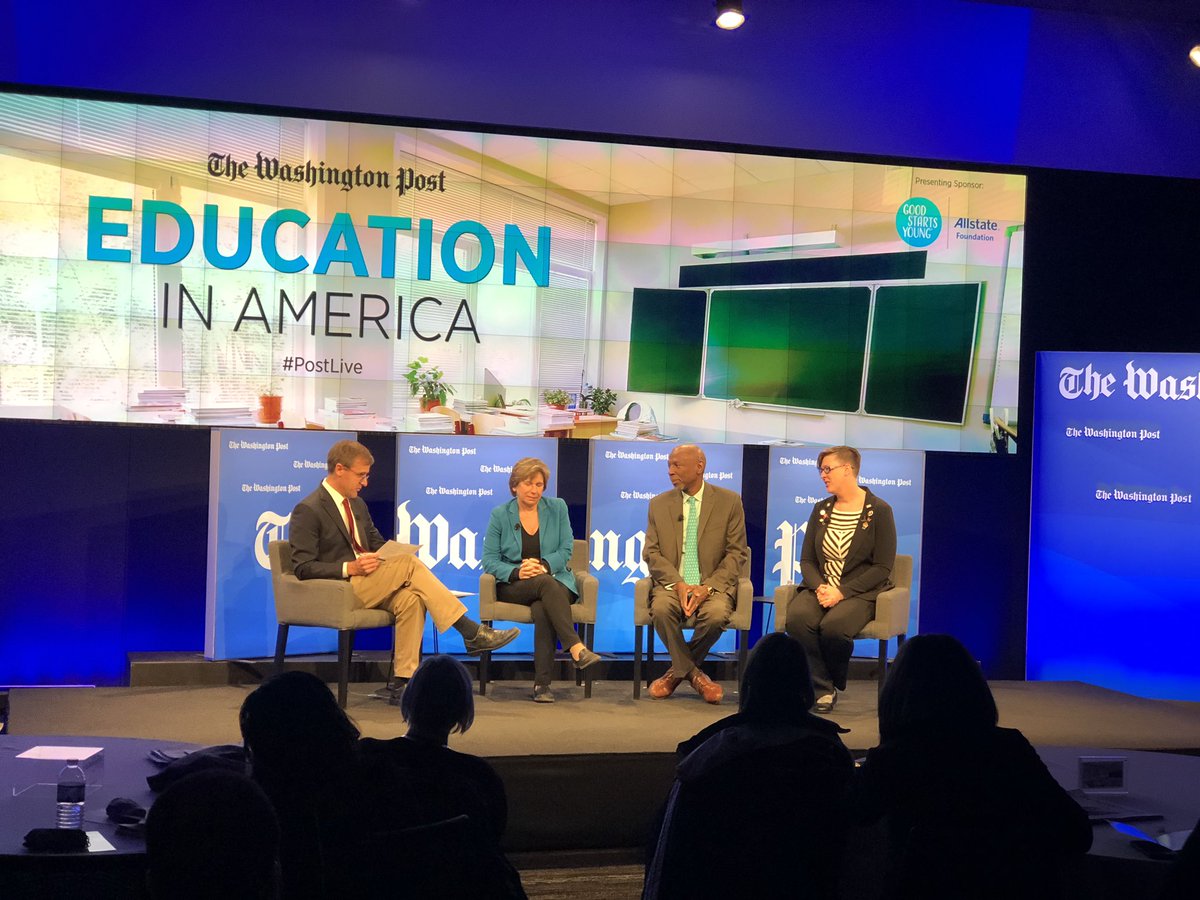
column 202, row 266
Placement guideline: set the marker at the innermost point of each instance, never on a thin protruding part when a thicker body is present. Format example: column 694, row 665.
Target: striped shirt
column 838, row 535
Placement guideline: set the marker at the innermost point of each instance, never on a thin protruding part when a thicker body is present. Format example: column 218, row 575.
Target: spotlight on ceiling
column 1194, row 56
column 729, row 14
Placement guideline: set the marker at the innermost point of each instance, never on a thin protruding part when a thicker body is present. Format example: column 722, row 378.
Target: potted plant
column 270, row 403
column 425, row 381
column 601, row 400
column 557, row 399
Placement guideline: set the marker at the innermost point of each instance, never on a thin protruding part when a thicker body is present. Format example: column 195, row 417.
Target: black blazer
column 319, row 539
column 870, row 559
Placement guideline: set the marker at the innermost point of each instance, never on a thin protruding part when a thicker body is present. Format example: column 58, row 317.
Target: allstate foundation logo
column 918, row 222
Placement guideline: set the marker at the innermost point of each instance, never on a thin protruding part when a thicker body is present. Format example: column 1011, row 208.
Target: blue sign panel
column 256, row 477
column 446, row 488
column 624, row 476
column 895, row 476
column 1113, row 554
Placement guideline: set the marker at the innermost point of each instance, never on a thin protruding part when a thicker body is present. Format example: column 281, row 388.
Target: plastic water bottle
column 72, row 784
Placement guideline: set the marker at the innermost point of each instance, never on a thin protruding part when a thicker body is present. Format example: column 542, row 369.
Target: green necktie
column 691, row 565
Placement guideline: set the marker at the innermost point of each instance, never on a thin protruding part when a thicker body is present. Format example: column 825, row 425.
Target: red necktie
column 350, row 521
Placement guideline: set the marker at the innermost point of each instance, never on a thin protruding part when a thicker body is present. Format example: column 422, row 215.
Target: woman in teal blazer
column 527, row 547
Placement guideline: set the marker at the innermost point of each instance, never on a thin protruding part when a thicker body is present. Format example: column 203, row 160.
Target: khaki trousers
column 405, row 587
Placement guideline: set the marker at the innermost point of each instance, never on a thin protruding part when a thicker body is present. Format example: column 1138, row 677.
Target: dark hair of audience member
column 934, row 684
column 777, row 685
column 438, row 699
column 292, row 727
column 212, row 834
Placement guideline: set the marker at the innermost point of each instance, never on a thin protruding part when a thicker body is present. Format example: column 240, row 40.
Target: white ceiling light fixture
column 775, row 243
column 729, row 14
column 1194, row 56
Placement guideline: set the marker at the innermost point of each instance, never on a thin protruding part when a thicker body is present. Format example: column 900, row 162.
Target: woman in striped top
column 847, row 558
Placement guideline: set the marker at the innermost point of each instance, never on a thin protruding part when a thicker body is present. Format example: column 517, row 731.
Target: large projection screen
column 194, row 265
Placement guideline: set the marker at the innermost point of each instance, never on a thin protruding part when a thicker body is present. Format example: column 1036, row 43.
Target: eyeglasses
column 825, row 470
column 361, row 476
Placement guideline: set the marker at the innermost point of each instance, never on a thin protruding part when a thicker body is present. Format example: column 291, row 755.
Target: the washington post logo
column 437, row 540
column 610, row 552
column 789, row 544
column 269, row 528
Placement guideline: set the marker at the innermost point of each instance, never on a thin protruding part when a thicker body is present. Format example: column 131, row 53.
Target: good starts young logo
column 918, row 222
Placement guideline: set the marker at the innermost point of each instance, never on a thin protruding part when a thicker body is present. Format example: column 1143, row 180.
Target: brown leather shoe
column 662, row 688
column 705, row 686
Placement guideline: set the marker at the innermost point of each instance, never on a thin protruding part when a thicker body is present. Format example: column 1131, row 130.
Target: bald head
column 685, row 467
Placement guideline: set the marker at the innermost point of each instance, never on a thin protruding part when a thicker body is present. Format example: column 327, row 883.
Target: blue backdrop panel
column 257, row 476
column 895, row 476
column 446, row 488
column 1113, row 553
column 625, row 475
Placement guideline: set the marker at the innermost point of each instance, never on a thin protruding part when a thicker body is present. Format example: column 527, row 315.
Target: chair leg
column 637, row 661
column 588, row 641
column 882, row 664
column 280, row 646
column 345, row 649
column 649, row 654
column 743, row 638
column 485, row 659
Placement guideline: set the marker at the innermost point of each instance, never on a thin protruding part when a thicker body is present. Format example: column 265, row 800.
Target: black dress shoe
column 586, row 658
column 390, row 691
column 490, row 639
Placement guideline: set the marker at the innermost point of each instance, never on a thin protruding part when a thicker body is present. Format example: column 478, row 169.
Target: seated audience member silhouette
column 213, row 835
column 1183, row 881
column 444, row 783
column 758, row 805
column 971, row 810
column 303, row 752
column 439, row 783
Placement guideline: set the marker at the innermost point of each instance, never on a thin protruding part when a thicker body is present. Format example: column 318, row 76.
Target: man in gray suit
column 332, row 536
column 695, row 549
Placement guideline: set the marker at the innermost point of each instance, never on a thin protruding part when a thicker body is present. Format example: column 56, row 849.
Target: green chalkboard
column 666, row 341
column 922, row 344
column 799, row 347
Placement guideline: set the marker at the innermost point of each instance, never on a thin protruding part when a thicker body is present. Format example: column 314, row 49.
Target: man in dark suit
column 332, row 536
column 695, row 549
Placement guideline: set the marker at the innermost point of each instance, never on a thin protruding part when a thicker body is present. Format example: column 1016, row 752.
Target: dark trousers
column 711, row 618
column 827, row 635
column 549, row 602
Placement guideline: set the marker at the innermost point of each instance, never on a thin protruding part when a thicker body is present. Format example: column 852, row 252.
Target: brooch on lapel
column 870, row 512
column 822, row 514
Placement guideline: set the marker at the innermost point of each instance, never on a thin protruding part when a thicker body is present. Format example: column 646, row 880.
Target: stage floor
column 507, row 723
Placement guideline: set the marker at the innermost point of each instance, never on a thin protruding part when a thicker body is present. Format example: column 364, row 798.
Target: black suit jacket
column 319, row 539
column 872, row 553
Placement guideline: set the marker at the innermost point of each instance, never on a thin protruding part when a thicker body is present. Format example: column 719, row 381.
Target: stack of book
column 166, row 403
column 349, row 414
column 635, row 430
column 223, row 415
column 468, row 408
column 551, row 419
column 430, row 423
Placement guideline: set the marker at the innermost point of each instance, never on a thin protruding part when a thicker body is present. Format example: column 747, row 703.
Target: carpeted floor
column 508, row 724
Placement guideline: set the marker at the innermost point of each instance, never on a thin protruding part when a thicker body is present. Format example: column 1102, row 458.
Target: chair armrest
column 327, row 602
column 783, row 596
column 487, row 597
column 891, row 610
column 589, row 597
column 641, row 601
column 743, row 609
